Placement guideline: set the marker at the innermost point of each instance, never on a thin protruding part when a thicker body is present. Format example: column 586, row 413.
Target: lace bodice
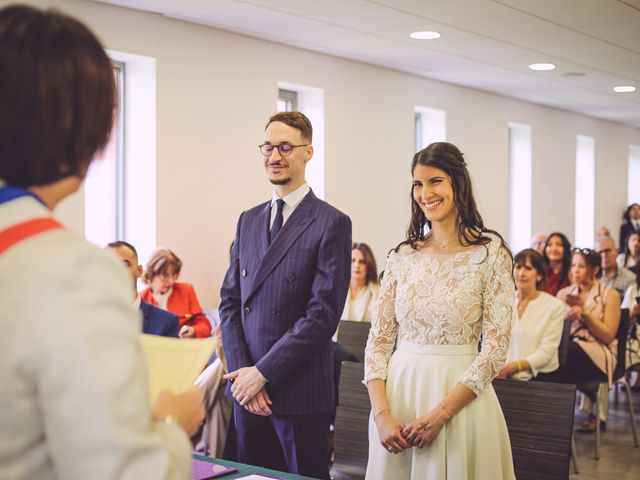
column 445, row 299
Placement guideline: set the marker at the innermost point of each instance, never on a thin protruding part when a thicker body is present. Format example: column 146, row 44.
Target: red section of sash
column 21, row 231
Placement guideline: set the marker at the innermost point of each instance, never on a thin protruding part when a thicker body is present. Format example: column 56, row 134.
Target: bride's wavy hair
column 471, row 229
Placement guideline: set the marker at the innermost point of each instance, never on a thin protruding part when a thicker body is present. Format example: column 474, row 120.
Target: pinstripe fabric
column 281, row 303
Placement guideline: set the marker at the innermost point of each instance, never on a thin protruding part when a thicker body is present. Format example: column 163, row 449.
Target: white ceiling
column 485, row 44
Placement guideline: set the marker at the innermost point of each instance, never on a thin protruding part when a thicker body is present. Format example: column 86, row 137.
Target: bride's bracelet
column 375, row 415
column 447, row 415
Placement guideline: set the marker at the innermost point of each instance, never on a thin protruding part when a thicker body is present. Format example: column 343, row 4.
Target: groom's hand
column 247, row 382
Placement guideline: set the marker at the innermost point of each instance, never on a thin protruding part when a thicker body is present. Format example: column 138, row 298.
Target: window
column 104, row 187
column 430, row 126
column 519, row 186
column 585, row 191
column 120, row 195
column 633, row 177
column 310, row 101
column 287, row 101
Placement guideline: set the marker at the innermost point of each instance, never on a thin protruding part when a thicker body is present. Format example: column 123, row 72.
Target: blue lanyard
column 9, row 193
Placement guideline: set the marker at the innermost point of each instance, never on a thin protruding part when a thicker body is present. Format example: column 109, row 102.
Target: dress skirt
column 473, row 445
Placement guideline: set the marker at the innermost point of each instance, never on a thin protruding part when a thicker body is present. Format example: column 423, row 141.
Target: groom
column 281, row 302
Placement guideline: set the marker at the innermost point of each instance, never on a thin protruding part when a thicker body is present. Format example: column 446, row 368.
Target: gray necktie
column 277, row 222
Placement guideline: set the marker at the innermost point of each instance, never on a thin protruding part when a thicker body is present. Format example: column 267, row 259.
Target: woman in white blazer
column 536, row 328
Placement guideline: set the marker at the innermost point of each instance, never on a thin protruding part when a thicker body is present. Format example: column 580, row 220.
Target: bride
column 434, row 413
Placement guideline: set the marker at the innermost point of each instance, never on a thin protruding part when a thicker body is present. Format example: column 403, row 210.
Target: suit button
column 291, row 278
column 276, row 313
column 247, row 309
column 243, row 273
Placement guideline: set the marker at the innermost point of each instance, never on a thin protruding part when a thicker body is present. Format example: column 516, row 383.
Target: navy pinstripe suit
column 280, row 305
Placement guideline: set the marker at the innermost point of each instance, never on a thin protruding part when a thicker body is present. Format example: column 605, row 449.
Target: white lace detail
column 432, row 299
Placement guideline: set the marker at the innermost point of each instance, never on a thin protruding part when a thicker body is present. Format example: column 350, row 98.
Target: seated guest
column 537, row 324
column 630, row 301
column 538, row 242
column 612, row 275
column 363, row 288
column 161, row 274
column 631, row 251
column 210, row 440
column 602, row 232
column 594, row 311
column 557, row 258
column 630, row 224
column 155, row 320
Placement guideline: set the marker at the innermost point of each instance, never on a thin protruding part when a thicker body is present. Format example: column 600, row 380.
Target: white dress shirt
column 535, row 337
column 291, row 201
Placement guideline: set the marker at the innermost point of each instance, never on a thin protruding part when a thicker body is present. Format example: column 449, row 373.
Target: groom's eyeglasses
column 284, row 149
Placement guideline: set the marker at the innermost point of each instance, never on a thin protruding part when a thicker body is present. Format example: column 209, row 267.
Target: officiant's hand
column 185, row 408
column 390, row 432
column 424, row 429
column 247, row 382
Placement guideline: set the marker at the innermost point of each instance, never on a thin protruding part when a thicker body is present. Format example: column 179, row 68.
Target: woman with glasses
column 537, row 324
column 434, row 413
column 557, row 258
column 594, row 312
column 161, row 274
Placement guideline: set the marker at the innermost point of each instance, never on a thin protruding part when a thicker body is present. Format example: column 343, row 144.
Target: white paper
column 175, row 363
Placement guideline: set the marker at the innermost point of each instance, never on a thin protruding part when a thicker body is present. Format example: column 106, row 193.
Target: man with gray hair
column 612, row 275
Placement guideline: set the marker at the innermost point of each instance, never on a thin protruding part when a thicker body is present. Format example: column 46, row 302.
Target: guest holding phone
column 594, row 311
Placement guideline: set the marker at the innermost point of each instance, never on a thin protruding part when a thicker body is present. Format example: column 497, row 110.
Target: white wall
column 216, row 89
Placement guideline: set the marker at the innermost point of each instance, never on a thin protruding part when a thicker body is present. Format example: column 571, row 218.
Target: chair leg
column 597, row 405
column 627, row 389
column 574, row 455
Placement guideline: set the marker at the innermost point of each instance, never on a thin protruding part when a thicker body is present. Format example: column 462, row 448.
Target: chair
column 618, row 379
column 351, row 440
column 539, row 418
column 563, row 351
column 353, row 336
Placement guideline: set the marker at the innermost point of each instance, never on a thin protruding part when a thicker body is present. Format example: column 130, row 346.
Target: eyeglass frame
column 277, row 147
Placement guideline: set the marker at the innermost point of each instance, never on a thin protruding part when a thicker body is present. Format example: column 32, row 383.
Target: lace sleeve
column 497, row 310
column 384, row 328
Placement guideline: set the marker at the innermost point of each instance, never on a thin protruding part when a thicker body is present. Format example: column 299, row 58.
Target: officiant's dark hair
column 57, row 96
column 471, row 229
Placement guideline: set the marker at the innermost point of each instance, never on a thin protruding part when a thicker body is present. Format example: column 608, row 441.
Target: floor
column 619, row 460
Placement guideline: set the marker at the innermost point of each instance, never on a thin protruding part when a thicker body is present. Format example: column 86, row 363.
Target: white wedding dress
column 436, row 306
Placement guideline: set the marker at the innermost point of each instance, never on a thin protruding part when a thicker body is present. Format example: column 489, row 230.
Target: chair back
column 539, row 418
column 563, row 350
column 353, row 336
column 351, row 441
column 621, row 336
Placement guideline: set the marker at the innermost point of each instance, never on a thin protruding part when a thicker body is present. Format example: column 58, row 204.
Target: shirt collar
column 294, row 198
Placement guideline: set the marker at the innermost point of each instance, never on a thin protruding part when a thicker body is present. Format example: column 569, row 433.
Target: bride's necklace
column 444, row 244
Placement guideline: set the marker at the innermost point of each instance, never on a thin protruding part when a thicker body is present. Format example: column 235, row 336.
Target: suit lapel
column 295, row 225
